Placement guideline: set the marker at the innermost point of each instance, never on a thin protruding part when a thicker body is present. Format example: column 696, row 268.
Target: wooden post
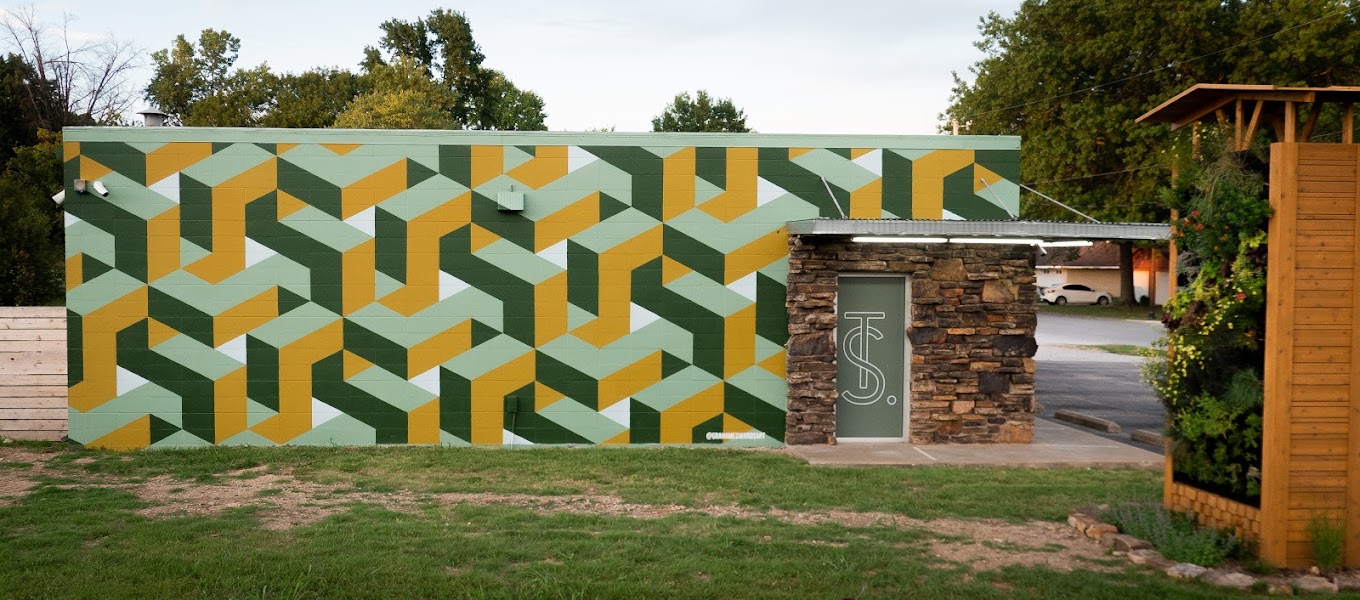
column 1352, row 550
column 1291, row 123
column 1348, row 123
column 1279, row 352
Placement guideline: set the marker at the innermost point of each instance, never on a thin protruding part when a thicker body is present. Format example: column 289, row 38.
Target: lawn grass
column 1110, row 311
column 68, row 539
column 684, row 476
column 1124, row 349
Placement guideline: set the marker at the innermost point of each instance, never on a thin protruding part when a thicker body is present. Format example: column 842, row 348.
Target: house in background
column 1097, row 267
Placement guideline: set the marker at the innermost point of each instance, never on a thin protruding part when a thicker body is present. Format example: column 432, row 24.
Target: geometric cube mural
column 362, row 287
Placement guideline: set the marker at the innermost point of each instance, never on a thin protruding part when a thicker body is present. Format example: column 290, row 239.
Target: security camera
column 100, row 189
column 59, row 197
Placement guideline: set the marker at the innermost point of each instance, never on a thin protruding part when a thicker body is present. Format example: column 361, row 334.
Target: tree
column 31, row 234
column 88, row 81
column 1070, row 77
column 701, row 113
column 442, row 43
column 312, row 98
column 196, row 85
column 400, row 96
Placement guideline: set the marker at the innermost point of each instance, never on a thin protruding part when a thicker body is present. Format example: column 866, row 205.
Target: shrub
column 1328, row 538
column 1173, row 534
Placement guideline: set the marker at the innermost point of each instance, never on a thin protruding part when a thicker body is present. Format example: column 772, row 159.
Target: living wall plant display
column 1209, row 378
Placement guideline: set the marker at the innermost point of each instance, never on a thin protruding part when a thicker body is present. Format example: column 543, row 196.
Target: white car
column 1074, row 292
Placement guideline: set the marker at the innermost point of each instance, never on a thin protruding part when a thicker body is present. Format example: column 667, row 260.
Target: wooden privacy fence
column 33, row 373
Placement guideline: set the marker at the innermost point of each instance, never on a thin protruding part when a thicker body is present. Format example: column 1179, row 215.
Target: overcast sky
column 794, row 66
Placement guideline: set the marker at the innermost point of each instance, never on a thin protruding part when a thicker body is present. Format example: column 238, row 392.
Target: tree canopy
column 701, row 112
column 1070, row 77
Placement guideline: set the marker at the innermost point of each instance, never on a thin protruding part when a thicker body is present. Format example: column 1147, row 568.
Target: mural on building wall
column 294, row 287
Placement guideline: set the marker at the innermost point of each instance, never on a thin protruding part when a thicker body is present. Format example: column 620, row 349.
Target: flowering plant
column 1209, row 380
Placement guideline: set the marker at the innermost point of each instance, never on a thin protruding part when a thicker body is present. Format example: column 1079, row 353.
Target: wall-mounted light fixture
column 82, row 186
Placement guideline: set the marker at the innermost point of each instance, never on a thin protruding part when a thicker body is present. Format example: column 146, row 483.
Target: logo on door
column 871, row 382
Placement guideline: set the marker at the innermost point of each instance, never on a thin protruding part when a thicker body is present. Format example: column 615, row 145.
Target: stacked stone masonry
column 973, row 314
column 1212, row 510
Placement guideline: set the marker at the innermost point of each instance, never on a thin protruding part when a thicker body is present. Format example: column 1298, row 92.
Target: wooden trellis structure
column 1311, row 448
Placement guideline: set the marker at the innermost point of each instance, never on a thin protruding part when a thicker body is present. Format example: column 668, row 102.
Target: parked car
column 1074, row 292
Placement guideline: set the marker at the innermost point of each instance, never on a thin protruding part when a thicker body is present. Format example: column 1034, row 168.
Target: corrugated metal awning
column 1045, row 230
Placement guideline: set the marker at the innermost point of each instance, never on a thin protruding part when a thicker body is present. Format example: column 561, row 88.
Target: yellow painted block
column 422, row 424
column 616, row 268
column 295, row 383
column 354, row 364
column 740, row 196
column 488, row 162
column 867, row 201
column 488, row 397
column 672, row 269
column 755, row 255
column 229, row 405
column 422, row 255
column 732, row 424
column 677, row 183
column 985, row 177
column 776, row 364
column 358, row 274
column 288, row 204
column 162, row 244
column 99, row 330
column 341, row 149
column 739, row 341
column 566, row 222
column 369, row 191
column 157, row 332
column 927, row 180
column 548, row 165
column 482, row 238
column 240, row 319
column 133, row 436
column 69, row 150
column 630, row 380
column 439, row 348
column 619, row 440
column 173, row 158
column 75, row 267
column 678, row 422
column 550, row 309
column 229, row 221
column 91, row 170
column 545, row 396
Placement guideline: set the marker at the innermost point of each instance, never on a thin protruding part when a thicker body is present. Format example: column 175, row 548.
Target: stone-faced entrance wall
column 973, row 313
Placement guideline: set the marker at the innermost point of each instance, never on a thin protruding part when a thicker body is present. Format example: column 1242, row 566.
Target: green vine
column 1210, row 380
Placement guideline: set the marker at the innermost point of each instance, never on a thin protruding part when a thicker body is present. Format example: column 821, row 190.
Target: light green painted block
column 676, row 388
column 343, row 430
column 487, row 357
column 709, row 294
column 197, row 357
column 247, row 438
column 523, row 264
column 391, row 389
column 762, row 384
column 424, row 197
column 297, row 324
column 448, row 439
column 226, row 163
column 82, row 237
column 836, row 170
column 319, row 226
column 182, row 439
column 581, row 420
column 97, row 292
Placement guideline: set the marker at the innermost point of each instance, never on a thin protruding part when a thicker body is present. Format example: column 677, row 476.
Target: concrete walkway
column 1054, row 445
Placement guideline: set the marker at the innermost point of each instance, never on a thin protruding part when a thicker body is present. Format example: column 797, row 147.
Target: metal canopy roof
column 1047, row 230
column 1201, row 100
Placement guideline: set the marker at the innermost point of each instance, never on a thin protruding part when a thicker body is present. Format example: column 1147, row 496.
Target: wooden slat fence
column 33, row 373
column 1311, row 467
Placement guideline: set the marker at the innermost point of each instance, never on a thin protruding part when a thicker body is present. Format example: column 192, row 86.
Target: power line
column 1159, row 69
column 1096, row 175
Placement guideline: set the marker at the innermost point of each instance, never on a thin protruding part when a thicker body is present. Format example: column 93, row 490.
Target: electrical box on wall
column 510, row 200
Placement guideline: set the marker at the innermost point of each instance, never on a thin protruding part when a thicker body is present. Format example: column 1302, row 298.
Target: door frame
column 906, row 357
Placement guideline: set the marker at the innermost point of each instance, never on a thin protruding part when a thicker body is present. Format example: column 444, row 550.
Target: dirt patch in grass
column 282, row 502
